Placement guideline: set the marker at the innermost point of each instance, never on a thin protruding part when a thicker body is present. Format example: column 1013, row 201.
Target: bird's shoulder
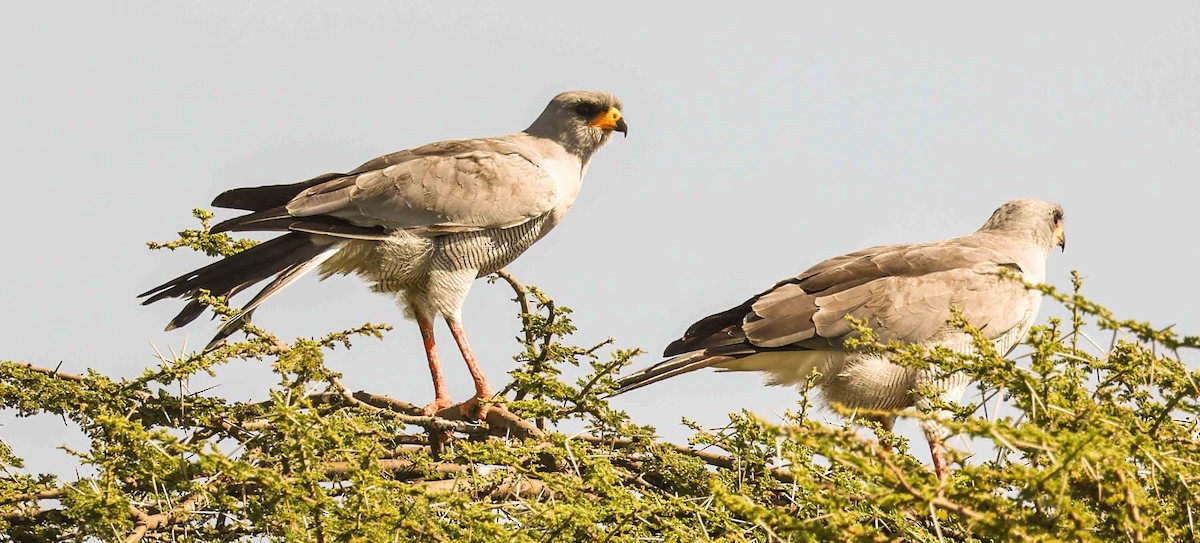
column 905, row 260
column 451, row 150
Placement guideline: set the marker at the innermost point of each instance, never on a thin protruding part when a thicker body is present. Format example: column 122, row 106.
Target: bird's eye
column 1057, row 215
column 586, row 109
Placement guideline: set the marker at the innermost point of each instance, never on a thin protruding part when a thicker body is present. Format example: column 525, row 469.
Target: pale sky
column 762, row 140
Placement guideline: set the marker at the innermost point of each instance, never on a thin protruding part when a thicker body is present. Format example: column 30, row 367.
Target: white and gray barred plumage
column 434, row 271
column 421, row 224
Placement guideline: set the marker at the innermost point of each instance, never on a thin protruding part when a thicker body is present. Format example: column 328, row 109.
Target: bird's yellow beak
column 1060, row 236
column 610, row 120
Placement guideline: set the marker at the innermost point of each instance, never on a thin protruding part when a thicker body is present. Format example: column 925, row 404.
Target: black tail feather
column 269, row 219
column 269, row 196
column 278, row 219
column 233, row 274
column 684, row 363
column 221, row 277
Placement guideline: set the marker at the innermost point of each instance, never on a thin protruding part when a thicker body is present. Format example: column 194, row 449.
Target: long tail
column 684, row 363
column 290, row 256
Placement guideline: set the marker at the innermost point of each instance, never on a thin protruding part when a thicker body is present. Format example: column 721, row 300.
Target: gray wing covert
column 460, row 186
column 914, row 309
column 903, row 292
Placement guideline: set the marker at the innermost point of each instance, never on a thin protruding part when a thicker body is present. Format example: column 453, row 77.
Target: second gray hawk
column 904, row 293
column 420, row 224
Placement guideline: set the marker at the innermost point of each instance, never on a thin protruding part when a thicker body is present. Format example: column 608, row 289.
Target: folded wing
column 454, row 186
column 902, row 292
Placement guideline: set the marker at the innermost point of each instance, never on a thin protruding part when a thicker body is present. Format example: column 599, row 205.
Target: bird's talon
column 475, row 409
column 434, row 408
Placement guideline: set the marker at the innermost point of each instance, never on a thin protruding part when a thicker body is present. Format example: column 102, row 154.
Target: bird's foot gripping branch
column 1093, row 442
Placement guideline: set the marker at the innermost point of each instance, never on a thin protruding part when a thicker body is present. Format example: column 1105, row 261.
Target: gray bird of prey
column 420, row 224
column 904, row 293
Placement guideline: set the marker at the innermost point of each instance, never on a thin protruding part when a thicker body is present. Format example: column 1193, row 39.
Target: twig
column 1134, row 514
column 35, row 517
column 885, row 455
column 596, row 378
column 147, row 522
column 403, row 469
column 386, row 402
column 522, row 298
column 427, row 422
column 451, row 419
column 52, row 494
column 501, row 422
column 726, row 461
column 47, row 371
column 955, row 508
column 510, row 487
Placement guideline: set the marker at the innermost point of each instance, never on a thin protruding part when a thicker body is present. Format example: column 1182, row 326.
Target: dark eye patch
column 588, row 109
column 1058, row 215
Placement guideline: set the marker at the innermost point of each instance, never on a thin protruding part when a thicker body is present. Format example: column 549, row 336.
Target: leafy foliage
column 1096, row 444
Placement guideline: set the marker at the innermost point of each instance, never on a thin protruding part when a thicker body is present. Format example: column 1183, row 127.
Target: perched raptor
column 904, row 293
column 420, row 224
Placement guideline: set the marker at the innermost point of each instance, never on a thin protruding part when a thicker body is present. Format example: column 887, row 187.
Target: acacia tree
column 1098, row 443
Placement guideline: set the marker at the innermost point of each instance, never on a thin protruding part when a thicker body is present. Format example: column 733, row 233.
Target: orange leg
column 483, row 390
column 441, row 393
column 941, row 464
column 936, row 435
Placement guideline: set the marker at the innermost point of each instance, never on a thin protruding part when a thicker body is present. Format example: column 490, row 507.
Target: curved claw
column 437, row 406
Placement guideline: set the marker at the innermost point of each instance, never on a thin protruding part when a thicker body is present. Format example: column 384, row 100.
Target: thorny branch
column 324, row 463
column 522, row 299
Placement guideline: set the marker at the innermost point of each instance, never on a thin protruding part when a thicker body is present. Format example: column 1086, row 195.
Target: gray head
column 581, row 121
column 1040, row 219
